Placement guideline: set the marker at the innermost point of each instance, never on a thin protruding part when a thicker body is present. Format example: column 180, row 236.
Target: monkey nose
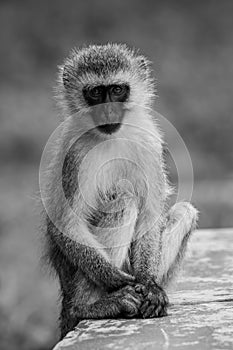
column 108, row 117
column 109, row 128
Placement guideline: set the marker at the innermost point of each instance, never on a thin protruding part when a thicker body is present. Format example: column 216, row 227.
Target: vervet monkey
column 113, row 242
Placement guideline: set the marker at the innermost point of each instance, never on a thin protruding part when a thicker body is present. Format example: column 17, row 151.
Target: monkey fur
column 113, row 242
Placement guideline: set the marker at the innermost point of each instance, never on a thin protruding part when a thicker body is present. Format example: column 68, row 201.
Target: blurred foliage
column 191, row 45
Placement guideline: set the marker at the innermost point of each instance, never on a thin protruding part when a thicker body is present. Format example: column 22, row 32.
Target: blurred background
column 191, row 45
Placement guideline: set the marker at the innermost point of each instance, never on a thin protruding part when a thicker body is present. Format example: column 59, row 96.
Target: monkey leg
column 122, row 303
column 182, row 220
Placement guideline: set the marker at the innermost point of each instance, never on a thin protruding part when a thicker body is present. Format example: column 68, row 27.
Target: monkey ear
column 66, row 77
column 144, row 64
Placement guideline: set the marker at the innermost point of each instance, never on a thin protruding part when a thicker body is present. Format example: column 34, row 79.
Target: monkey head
column 105, row 81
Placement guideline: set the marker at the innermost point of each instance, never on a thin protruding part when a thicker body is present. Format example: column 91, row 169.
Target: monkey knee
column 183, row 213
column 182, row 220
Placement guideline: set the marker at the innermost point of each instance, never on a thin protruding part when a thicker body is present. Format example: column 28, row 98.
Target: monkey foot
column 129, row 301
column 155, row 301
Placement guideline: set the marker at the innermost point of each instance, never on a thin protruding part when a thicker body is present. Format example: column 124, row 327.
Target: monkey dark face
column 104, row 94
column 102, row 82
column 108, row 112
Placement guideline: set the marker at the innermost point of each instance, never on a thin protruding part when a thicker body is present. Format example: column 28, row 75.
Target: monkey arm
column 88, row 256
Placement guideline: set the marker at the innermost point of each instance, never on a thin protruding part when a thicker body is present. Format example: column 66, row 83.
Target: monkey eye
column 96, row 92
column 118, row 90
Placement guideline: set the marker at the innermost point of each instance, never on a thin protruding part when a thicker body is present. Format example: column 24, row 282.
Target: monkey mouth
column 109, row 128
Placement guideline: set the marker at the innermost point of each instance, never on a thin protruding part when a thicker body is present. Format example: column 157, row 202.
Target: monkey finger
column 158, row 297
column 127, row 290
column 139, row 288
column 163, row 312
column 120, row 280
column 129, row 308
column 150, row 296
column 129, row 279
column 144, row 307
column 133, row 299
column 149, row 312
column 156, row 312
column 163, row 300
column 131, row 312
column 162, row 297
column 160, row 311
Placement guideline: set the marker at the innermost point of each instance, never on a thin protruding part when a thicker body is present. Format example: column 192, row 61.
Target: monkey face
column 108, row 101
column 107, row 83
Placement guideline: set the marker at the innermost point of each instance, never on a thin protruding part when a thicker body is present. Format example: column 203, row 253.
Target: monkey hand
column 155, row 301
column 119, row 279
column 129, row 301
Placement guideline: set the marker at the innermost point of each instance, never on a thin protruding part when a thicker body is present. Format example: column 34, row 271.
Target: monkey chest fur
column 115, row 187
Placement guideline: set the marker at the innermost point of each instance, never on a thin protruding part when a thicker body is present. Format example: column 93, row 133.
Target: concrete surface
column 201, row 311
